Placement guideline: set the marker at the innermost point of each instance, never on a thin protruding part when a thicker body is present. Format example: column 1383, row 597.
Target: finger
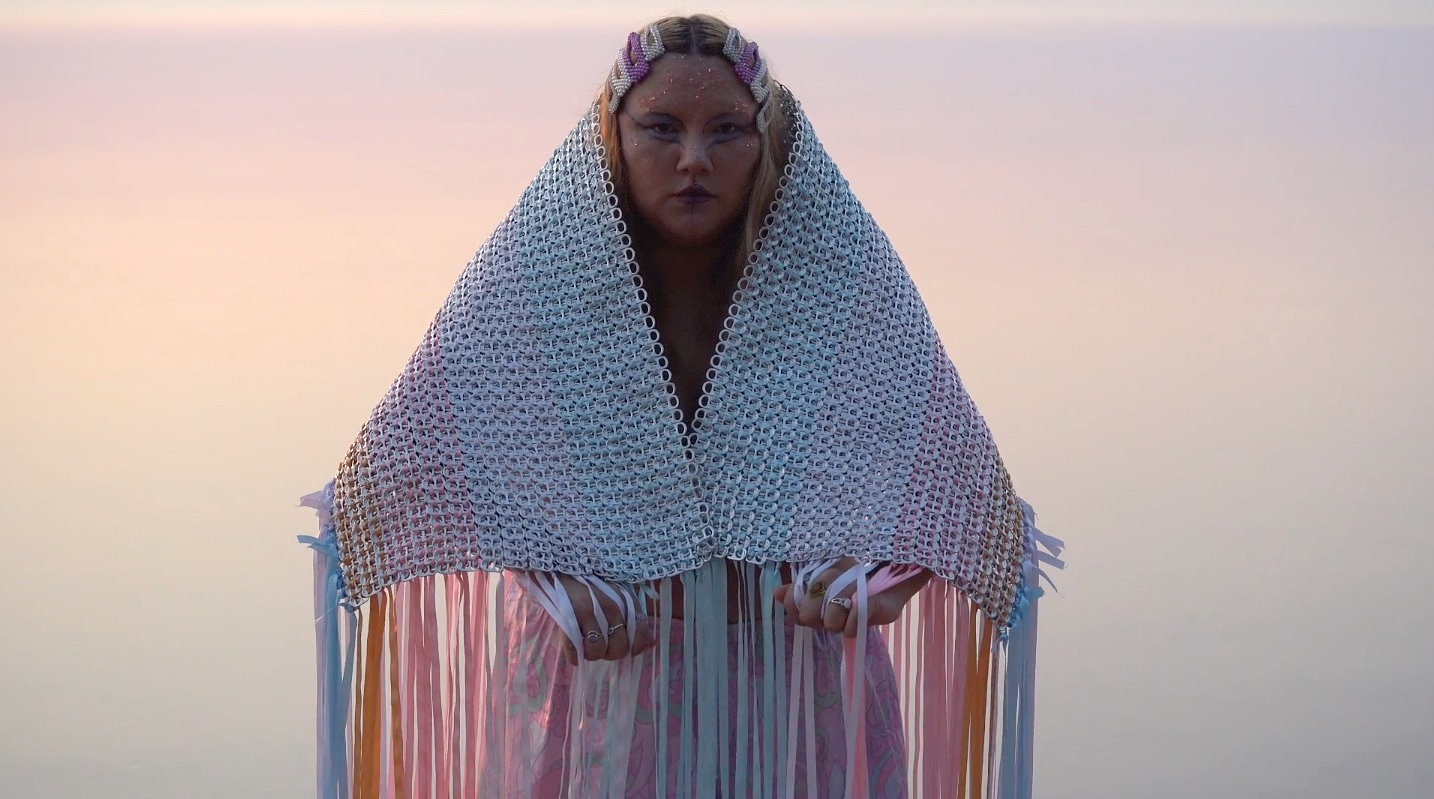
column 569, row 653
column 611, row 619
column 643, row 638
column 582, row 606
column 594, row 642
column 883, row 608
column 809, row 613
column 617, row 647
column 853, row 619
column 834, row 616
column 788, row 599
column 814, row 603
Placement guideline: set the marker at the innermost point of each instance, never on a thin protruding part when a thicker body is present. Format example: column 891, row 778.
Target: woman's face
column 689, row 148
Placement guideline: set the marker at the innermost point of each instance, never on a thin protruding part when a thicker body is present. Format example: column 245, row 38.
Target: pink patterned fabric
column 537, row 722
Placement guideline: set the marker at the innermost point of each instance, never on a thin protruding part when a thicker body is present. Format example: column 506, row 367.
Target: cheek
column 644, row 186
column 642, row 158
column 741, row 163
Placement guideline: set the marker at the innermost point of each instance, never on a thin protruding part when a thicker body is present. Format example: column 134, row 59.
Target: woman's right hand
column 618, row 635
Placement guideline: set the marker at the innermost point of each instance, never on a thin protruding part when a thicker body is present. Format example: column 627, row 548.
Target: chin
column 697, row 236
column 691, row 240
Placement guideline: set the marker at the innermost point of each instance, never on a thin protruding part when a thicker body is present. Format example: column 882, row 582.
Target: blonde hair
column 703, row 34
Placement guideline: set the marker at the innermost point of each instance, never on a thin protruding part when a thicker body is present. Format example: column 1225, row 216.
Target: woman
column 679, row 438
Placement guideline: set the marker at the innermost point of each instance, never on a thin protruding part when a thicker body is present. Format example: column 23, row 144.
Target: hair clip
column 634, row 61
column 751, row 69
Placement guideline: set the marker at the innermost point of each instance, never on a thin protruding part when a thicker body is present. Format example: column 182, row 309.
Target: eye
column 662, row 130
column 730, row 131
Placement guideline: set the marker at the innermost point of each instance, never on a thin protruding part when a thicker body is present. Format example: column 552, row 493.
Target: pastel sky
column 801, row 12
column 1187, row 272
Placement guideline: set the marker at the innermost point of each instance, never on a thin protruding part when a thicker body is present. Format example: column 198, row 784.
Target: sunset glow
column 1185, row 271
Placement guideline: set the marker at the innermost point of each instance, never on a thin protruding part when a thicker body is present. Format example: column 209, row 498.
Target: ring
column 817, row 590
column 594, row 637
column 616, row 627
column 841, row 602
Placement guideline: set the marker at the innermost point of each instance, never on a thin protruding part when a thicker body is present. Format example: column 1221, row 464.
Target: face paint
column 690, row 173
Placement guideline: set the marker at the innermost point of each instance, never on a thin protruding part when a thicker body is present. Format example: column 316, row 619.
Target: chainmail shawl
column 536, row 431
column 536, row 426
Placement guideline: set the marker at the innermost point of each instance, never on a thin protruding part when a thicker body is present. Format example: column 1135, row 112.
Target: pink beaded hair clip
column 635, row 59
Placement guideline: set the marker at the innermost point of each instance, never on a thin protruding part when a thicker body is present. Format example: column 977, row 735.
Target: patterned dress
column 545, row 732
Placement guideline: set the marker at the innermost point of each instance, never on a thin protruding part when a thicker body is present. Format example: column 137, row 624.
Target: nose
column 695, row 156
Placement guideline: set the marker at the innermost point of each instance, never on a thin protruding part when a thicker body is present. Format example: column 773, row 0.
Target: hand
column 821, row 613
column 618, row 635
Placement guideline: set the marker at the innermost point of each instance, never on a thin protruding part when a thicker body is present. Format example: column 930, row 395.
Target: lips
column 695, row 193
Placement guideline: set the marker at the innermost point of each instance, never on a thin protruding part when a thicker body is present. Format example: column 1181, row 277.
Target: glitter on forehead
column 644, row 52
column 680, row 82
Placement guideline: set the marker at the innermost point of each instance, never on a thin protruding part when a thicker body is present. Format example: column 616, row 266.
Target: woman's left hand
column 821, row 613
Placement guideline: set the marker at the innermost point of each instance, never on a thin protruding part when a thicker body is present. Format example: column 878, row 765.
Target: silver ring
column 594, row 637
column 841, row 602
column 615, row 628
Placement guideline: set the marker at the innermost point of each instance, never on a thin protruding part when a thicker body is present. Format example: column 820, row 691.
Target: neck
column 682, row 274
column 685, row 271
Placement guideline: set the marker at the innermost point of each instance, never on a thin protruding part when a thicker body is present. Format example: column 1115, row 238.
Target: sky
column 794, row 13
column 1185, row 270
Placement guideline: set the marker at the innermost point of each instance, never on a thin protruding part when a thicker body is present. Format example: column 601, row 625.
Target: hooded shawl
column 535, row 430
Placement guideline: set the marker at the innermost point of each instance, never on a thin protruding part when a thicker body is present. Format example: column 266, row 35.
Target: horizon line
column 834, row 21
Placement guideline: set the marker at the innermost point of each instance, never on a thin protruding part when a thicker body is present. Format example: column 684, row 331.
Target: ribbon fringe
column 412, row 697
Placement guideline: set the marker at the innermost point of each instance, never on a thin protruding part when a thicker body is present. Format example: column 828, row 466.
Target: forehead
column 682, row 85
